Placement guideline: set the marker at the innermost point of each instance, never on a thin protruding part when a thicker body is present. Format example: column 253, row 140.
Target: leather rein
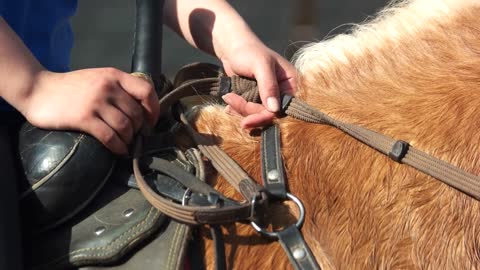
column 217, row 209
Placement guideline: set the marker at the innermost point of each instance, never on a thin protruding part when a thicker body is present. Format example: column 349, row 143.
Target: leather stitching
column 264, row 154
column 136, row 230
column 175, row 241
column 278, row 158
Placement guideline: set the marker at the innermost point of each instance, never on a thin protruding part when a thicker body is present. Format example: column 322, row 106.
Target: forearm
column 18, row 67
column 210, row 25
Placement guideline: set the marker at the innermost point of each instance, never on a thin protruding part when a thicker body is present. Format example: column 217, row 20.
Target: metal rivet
column 273, row 174
column 127, row 213
column 100, row 230
column 299, row 254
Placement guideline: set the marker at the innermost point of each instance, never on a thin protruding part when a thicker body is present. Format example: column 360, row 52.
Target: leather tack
column 225, row 85
column 300, row 255
column 273, row 172
column 98, row 235
column 55, row 165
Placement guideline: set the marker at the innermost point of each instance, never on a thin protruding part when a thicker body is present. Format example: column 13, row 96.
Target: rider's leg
column 10, row 241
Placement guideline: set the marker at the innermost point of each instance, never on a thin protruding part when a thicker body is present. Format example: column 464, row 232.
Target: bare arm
column 210, row 25
column 216, row 28
column 18, row 68
column 109, row 104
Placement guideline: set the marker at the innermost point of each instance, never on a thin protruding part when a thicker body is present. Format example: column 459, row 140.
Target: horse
column 412, row 73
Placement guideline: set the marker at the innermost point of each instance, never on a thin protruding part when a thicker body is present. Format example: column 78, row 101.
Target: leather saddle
column 83, row 209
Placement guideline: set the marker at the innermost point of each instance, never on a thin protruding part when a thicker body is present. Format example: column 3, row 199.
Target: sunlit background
column 104, row 29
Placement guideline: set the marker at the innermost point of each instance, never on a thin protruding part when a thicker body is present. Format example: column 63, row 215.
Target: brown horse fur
column 413, row 74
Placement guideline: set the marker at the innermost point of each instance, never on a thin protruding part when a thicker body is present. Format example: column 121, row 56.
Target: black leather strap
column 273, row 172
column 173, row 189
column 187, row 179
column 274, row 180
column 300, row 255
column 219, row 245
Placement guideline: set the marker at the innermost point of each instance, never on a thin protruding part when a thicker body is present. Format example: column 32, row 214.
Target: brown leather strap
column 185, row 213
column 224, row 164
column 216, row 86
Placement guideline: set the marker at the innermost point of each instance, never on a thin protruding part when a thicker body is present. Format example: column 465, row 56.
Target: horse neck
column 418, row 83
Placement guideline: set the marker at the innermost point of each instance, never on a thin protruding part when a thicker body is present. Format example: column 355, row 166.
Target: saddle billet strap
column 398, row 151
column 273, row 172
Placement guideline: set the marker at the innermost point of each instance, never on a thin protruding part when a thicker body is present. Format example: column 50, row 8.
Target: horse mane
column 412, row 73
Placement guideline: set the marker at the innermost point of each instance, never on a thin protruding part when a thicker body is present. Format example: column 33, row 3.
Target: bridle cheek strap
column 274, row 180
column 299, row 254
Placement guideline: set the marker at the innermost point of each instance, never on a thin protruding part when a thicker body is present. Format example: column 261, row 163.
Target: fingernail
column 226, row 98
column 272, row 104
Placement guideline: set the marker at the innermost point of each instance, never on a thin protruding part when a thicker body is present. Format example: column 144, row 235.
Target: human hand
column 107, row 103
column 273, row 73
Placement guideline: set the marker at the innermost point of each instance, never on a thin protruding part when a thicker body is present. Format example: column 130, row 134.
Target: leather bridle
column 215, row 208
column 221, row 210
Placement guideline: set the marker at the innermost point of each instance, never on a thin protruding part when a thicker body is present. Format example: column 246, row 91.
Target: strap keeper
column 285, row 102
column 225, row 86
column 399, row 150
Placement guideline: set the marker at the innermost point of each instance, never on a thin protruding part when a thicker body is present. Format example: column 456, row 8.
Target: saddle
column 83, row 207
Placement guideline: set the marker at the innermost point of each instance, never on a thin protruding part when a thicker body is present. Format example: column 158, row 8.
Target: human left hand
column 216, row 28
column 274, row 75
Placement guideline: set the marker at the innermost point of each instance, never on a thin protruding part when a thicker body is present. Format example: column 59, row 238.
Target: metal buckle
column 186, row 196
column 260, row 196
column 274, row 234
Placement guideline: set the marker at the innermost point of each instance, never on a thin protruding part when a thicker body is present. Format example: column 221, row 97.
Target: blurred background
column 104, row 29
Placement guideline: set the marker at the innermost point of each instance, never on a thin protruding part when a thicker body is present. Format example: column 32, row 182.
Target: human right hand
column 107, row 103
